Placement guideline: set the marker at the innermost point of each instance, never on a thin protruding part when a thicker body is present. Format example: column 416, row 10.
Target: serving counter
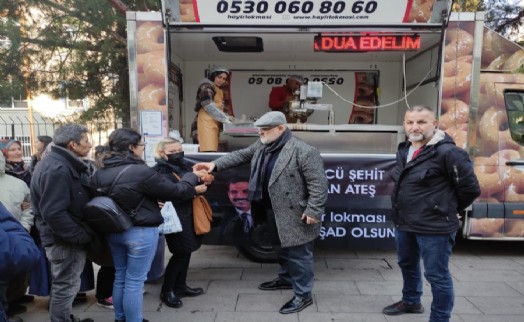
column 339, row 138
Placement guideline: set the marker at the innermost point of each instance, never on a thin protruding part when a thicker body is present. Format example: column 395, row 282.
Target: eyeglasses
column 141, row 144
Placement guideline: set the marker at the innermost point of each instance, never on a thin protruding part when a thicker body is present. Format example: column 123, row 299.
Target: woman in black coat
column 170, row 163
column 137, row 192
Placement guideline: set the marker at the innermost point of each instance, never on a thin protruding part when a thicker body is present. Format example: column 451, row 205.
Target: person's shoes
column 14, row 319
column 170, row 299
column 75, row 319
column 16, row 308
column 80, row 298
column 26, row 299
column 276, row 284
column 189, row 292
column 106, row 303
column 401, row 307
column 296, row 304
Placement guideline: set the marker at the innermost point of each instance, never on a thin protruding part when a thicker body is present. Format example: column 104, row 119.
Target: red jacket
column 278, row 96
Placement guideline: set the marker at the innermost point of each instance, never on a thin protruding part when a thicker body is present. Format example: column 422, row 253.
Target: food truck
column 363, row 63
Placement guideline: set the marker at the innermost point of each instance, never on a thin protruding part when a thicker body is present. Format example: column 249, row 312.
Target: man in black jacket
column 434, row 181
column 58, row 195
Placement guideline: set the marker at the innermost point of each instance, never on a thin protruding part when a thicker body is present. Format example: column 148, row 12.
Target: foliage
column 72, row 48
column 502, row 16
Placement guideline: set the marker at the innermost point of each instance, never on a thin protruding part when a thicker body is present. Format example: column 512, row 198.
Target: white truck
column 372, row 59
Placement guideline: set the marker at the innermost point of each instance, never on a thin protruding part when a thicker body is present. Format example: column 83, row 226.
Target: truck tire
column 254, row 246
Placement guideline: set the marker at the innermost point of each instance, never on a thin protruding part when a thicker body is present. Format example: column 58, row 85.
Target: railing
column 20, row 127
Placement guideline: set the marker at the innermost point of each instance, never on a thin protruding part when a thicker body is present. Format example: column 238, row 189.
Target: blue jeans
column 296, row 268
column 67, row 263
column 133, row 251
column 435, row 251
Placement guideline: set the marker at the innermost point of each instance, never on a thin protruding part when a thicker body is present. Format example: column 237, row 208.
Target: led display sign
column 355, row 43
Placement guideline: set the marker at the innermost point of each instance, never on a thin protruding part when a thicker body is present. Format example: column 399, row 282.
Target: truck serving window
column 515, row 107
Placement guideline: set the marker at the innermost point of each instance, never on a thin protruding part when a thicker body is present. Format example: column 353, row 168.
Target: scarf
column 258, row 172
column 18, row 170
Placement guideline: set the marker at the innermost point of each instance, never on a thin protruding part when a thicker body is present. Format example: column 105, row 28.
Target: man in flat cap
column 288, row 186
column 281, row 95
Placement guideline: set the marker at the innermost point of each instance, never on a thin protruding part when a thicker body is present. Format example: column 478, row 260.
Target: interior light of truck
column 239, row 44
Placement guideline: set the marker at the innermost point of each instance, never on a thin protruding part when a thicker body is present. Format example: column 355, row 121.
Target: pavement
column 350, row 285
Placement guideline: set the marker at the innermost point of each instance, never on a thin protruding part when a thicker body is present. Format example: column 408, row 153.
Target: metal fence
column 20, row 127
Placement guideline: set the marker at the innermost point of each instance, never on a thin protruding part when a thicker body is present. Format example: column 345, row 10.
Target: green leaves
column 72, row 48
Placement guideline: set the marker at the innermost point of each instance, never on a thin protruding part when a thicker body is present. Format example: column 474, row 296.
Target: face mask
column 175, row 157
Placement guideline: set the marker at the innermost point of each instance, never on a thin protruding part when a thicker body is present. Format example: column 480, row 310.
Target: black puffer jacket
column 185, row 241
column 59, row 192
column 431, row 189
column 141, row 183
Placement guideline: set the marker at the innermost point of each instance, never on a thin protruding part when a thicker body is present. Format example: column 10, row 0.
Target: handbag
column 171, row 223
column 202, row 213
column 104, row 215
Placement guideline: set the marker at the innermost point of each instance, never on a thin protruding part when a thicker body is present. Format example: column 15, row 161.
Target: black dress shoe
column 80, row 298
column 402, row 307
column 276, row 284
column 170, row 299
column 26, row 298
column 189, row 292
column 296, row 304
column 16, row 308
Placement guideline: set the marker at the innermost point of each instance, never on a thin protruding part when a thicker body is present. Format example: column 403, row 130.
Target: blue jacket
column 433, row 188
column 18, row 252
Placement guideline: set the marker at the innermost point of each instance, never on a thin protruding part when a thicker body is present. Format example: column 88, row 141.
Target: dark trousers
column 104, row 282
column 17, row 287
column 176, row 272
column 296, row 268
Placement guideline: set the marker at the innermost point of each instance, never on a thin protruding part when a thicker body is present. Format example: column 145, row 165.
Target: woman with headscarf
column 14, row 160
column 210, row 108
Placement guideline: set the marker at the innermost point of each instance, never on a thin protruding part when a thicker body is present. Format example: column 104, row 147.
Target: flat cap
column 271, row 119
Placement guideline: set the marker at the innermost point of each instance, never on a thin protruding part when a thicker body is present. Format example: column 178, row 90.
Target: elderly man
column 434, row 181
column 58, row 195
column 288, row 183
column 281, row 95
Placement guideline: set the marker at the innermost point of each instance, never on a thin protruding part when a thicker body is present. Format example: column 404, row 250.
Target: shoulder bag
column 202, row 213
column 104, row 215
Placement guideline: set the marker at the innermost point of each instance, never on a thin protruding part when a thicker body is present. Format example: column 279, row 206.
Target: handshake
column 205, row 177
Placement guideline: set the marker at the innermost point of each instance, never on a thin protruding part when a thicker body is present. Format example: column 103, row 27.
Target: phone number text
column 297, row 7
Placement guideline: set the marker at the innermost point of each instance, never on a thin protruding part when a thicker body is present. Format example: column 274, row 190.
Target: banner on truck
column 306, row 12
column 357, row 213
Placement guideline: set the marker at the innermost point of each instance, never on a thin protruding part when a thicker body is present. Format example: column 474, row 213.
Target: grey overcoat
column 297, row 185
